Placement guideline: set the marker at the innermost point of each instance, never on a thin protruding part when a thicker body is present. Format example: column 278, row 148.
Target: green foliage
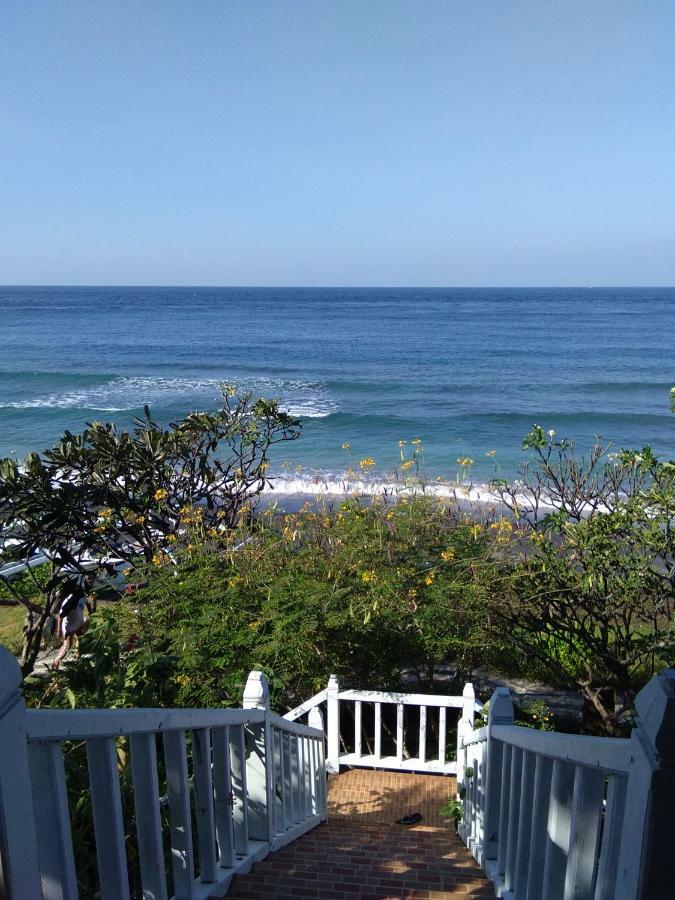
column 592, row 597
column 535, row 714
column 453, row 809
column 364, row 590
column 107, row 493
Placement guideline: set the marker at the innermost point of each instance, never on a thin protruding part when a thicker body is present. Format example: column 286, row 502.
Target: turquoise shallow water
column 465, row 370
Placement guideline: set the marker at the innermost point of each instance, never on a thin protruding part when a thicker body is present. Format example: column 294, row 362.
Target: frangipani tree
column 109, row 493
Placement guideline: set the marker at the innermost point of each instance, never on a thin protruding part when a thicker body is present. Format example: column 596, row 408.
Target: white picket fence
column 564, row 817
column 250, row 781
column 424, row 758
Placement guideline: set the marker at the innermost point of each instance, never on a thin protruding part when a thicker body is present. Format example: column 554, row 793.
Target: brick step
column 360, row 854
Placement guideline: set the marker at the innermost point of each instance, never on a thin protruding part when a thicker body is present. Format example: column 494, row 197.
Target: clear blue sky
column 351, row 142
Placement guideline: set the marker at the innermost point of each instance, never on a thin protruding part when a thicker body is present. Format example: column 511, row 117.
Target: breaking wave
column 126, row 393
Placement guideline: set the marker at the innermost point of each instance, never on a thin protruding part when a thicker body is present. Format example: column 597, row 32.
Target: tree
column 593, row 593
column 109, row 493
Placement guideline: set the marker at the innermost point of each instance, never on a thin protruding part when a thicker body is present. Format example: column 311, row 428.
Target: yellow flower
column 416, row 441
column 448, row 555
column 367, row 462
column 412, row 592
column 368, row 576
column 476, row 530
column 182, row 680
column 430, row 578
column 402, row 443
column 465, row 461
column 406, row 465
column 104, row 513
column 390, row 514
column 345, row 446
column 171, row 538
column 157, row 559
column 161, row 494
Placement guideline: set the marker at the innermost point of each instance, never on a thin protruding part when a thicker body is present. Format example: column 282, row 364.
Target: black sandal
column 410, row 819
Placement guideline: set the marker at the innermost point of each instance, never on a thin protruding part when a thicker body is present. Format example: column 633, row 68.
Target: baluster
column 473, row 760
column 611, row 838
column 357, row 729
column 378, row 731
column 106, row 801
column 278, row 750
column 313, row 777
column 52, row 821
column 525, row 814
column 543, row 775
column 315, row 720
column 323, row 786
column 148, row 816
column 589, row 789
column 295, row 768
column 239, row 789
column 422, row 752
column 288, row 782
column 504, row 797
column 309, row 775
column 399, row 733
column 480, row 793
column 222, row 788
column 514, row 816
column 182, row 854
column 558, row 829
column 204, row 815
column 442, row 732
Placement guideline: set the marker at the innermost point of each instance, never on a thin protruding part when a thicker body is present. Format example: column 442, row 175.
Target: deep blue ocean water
column 467, row 371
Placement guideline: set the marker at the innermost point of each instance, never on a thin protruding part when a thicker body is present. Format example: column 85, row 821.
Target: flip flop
column 410, row 819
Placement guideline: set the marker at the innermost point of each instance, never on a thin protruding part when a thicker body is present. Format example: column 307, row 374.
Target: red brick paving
column 360, row 854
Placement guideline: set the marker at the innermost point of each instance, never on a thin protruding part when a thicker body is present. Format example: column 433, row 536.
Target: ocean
column 464, row 371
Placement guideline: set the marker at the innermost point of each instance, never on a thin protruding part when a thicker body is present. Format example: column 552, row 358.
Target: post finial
column 501, row 707
column 655, row 705
column 10, row 676
column 315, row 718
column 257, row 691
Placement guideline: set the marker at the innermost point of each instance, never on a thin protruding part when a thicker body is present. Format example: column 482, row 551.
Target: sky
column 337, row 142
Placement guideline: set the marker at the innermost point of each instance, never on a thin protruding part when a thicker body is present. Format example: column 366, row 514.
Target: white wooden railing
column 554, row 816
column 250, row 781
column 422, row 757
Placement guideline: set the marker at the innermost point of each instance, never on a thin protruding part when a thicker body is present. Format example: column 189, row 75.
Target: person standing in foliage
column 70, row 618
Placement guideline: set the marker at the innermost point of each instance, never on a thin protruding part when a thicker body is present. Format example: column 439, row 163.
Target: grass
column 11, row 623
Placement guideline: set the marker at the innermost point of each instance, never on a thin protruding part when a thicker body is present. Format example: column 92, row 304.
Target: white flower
column 551, row 433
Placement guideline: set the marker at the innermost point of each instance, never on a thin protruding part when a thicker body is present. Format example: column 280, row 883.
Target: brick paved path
column 360, row 854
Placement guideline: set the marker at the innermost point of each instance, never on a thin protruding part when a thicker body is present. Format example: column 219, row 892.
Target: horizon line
column 375, row 287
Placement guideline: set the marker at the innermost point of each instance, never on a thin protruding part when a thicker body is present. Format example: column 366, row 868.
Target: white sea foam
column 298, row 398
column 320, row 485
column 292, row 490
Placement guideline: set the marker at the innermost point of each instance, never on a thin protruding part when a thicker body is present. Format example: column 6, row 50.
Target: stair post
column 333, row 725
column 260, row 762
column 646, row 858
column 19, row 863
column 500, row 713
column 464, row 729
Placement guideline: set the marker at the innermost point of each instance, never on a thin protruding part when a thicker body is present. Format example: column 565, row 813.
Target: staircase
column 360, row 853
